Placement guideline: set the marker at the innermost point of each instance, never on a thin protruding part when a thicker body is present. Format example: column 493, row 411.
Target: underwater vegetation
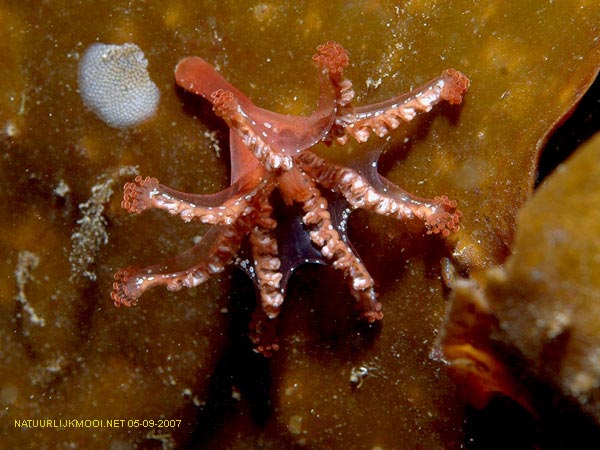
column 67, row 353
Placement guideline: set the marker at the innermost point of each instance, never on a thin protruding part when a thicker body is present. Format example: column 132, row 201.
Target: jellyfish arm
column 222, row 208
column 439, row 215
column 190, row 269
column 381, row 118
column 325, row 236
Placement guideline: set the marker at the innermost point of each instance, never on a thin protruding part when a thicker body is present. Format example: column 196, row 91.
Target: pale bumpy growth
column 114, row 83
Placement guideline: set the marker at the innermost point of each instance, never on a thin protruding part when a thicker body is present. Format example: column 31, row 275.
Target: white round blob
column 114, row 83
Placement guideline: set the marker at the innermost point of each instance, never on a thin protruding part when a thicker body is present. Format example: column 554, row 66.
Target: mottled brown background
column 66, row 352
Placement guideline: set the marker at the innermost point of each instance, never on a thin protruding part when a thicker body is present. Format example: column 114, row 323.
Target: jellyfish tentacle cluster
column 271, row 151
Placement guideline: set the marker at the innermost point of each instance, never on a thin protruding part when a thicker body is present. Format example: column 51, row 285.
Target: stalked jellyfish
column 272, row 151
